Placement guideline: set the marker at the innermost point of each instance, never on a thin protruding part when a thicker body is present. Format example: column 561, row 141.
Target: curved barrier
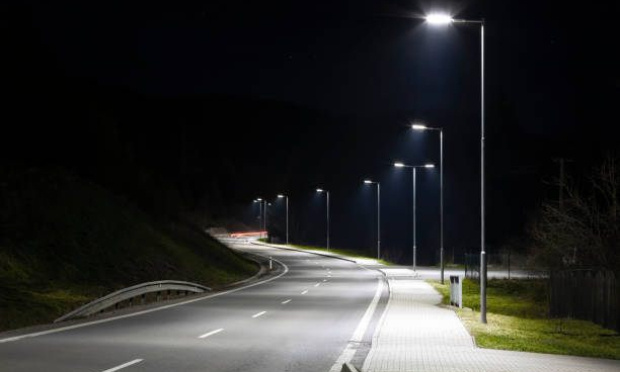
column 131, row 292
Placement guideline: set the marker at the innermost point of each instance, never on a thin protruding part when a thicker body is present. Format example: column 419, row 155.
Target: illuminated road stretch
column 301, row 320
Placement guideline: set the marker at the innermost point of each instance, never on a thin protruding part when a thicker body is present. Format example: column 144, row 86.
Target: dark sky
column 326, row 90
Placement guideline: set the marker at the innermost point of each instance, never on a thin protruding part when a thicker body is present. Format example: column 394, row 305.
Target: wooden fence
column 586, row 294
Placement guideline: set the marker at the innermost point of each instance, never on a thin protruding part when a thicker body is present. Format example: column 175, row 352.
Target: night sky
column 231, row 100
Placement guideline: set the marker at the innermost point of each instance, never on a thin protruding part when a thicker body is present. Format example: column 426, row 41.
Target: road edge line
column 349, row 350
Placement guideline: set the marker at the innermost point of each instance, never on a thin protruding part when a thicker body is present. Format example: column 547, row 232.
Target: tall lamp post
column 421, row 127
column 265, row 212
column 444, row 19
column 414, row 176
column 369, row 182
column 327, row 193
column 414, row 173
column 280, row 196
column 261, row 221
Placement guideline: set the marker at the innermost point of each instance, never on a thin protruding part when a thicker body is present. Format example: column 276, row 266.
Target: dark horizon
column 227, row 103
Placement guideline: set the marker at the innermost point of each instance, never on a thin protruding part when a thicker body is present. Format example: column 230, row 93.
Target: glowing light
column 439, row 19
column 259, row 199
column 429, row 165
column 319, row 190
column 367, row 181
column 399, row 165
column 419, row 127
column 281, row 196
column 249, row 233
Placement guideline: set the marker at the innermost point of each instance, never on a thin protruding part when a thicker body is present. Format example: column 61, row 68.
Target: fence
column 586, row 294
column 501, row 265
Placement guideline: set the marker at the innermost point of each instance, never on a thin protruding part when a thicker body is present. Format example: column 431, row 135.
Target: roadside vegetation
column 65, row 241
column 581, row 229
column 517, row 319
column 368, row 255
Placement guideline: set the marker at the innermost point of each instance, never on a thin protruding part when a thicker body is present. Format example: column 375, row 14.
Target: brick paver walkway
column 417, row 335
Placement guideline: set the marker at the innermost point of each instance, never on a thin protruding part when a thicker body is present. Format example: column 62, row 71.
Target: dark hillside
column 64, row 241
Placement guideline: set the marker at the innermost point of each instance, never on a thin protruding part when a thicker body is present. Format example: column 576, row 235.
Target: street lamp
column 327, row 193
column 444, row 19
column 280, row 196
column 422, row 127
column 260, row 213
column 414, row 169
column 265, row 212
column 369, row 182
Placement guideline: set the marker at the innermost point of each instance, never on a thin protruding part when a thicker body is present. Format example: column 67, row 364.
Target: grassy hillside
column 65, row 241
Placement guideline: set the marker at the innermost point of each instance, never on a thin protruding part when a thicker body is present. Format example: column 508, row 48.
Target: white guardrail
column 129, row 293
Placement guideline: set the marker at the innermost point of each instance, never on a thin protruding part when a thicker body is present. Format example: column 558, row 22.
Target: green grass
column 517, row 320
column 65, row 241
column 344, row 252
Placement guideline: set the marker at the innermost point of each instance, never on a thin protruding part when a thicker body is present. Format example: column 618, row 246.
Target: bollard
column 456, row 290
column 270, row 263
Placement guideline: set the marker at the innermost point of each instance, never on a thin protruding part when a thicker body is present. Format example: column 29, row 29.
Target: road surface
column 299, row 321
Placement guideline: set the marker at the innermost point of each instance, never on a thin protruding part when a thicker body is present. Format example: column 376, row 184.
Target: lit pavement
column 416, row 335
column 300, row 321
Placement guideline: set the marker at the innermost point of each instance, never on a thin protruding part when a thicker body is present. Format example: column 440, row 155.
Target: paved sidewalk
column 417, row 335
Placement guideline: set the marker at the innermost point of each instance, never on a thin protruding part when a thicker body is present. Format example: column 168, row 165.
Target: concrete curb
column 348, row 367
column 261, row 272
column 303, row 251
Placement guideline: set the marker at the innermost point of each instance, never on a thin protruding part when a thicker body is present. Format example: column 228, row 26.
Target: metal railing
column 138, row 290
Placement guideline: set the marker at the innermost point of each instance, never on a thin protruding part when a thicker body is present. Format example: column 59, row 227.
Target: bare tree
column 584, row 229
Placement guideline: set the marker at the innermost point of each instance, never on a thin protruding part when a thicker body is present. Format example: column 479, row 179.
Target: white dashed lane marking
column 211, row 333
column 258, row 314
column 123, row 365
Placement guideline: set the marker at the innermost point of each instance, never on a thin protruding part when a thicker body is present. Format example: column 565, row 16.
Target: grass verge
column 517, row 320
column 343, row 252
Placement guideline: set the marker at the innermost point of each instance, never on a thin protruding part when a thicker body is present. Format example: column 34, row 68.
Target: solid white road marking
column 286, row 302
column 304, row 292
column 124, row 365
column 350, row 350
column 258, row 314
column 211, row 333
column 62, row 329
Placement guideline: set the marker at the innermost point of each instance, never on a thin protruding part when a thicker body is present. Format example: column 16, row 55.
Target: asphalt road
column 299, row 321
